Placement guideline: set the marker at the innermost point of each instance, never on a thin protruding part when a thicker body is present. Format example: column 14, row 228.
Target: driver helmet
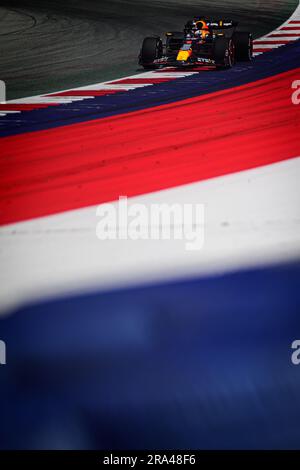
column 202, row 28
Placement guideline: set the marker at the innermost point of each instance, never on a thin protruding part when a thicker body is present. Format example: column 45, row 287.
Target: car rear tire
column 243, row 46
column 152, row 49
column 224, row 53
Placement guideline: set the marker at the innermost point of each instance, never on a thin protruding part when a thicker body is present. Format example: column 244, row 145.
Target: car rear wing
column 212, row 24
column 222, row 24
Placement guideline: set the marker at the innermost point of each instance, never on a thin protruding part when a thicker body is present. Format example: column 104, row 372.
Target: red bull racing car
column 202, row 42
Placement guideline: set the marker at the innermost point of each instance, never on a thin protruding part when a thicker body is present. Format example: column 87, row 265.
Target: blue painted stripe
column 201, row 364
column 269, row 64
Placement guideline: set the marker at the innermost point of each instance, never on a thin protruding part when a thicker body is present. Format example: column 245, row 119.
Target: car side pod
column 183, row 56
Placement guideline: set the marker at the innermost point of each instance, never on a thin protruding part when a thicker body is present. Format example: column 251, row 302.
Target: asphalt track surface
column 52, row 45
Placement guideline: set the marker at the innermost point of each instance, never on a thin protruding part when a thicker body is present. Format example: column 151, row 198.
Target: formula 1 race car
column 202, row 42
